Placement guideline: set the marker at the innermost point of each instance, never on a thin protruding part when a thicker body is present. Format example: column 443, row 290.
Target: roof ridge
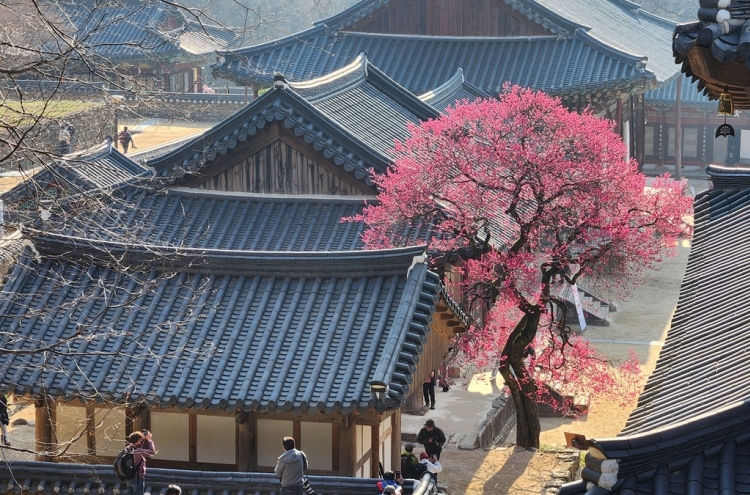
column 307, row 198
column 294, row 264
column 357, row 69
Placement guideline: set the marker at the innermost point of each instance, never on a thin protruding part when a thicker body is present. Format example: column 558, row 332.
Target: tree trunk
column 528, row 428
column 522, row 387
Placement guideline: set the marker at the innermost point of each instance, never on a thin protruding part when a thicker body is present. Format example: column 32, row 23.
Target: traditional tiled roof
column 690, row 432
column 666, row 94
column 621, row 24
column 230, row 221
column 45, row 478
column 286, row 106
column 88, row 170
column 703, row 364
column 612, row 22
column 137, row 30
column 728, row 177
column 454, row 90
column 708, row 454
column 201, row 38
column 329, row 323
column 578, row 64
column 366, row 102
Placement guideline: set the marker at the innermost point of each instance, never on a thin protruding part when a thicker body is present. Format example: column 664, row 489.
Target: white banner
column 579, row 308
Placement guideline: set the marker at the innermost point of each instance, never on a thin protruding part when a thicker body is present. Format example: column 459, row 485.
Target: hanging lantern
column 726, row 107
column 726, row 104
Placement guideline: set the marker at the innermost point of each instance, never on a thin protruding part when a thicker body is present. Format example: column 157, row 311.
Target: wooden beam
column 375, row 449
column 246, row 458
column 347, row 445
column 43, row 429
column 396, row 440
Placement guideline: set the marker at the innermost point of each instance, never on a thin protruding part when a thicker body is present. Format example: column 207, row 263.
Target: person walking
column 432, row 438
column 126, row 139
column 291, row 468
column 428, row 390
column 141, row 445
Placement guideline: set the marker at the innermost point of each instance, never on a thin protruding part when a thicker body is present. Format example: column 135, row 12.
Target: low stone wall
column 191, row 111
column 500, row 420
column 92, row 126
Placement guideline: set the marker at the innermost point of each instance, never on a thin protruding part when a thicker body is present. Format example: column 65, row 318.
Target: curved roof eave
column 356, row 157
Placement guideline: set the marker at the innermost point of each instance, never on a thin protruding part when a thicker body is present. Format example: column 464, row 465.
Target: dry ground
column 164, row 132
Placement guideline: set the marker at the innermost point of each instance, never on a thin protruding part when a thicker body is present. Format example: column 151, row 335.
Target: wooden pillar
column 256, row 92
column 618, row 116
column 166, row 83
column 347, row 446
column 43, row 430
column 246, row 459
column 640, row 132
column 396, row 439
column 245, row 99
column 375, row 452
column 141, row 418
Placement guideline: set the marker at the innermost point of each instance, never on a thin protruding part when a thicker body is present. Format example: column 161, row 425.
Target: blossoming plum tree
column 527, row 195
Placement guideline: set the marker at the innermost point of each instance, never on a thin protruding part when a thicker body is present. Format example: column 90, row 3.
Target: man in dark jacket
column 291, row 468
column 432, row 438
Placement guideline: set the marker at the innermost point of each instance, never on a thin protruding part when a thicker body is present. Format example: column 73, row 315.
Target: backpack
column 125, row 466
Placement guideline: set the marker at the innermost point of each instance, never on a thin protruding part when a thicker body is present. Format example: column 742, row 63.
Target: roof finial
column 279, row 81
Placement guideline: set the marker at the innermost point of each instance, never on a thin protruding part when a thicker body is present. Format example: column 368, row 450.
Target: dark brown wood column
column 375, row 449
column 640, row 132
column 396, row 439
column 43, row 429
column 618, row 116
column 347, row 446
column 246, row 458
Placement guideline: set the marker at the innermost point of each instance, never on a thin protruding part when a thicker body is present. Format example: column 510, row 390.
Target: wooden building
column 604, row 56
column 700, row 119
column 249, row 336
column 152, row 42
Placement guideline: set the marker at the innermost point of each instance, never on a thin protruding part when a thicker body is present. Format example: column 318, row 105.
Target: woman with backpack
column 142, row 447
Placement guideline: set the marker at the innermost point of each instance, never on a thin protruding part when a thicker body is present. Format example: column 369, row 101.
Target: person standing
column 291, row 468
column 431, row 463
column 428, row 390
column 432, row 438
column 141, row 445
column 4, row 420
column 126, row 139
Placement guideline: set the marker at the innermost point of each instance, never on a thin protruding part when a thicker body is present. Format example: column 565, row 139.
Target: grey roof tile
column 621, row 24
column 343, row 147
column 365, row 101
column 708, row 337
column 52, row 478
column 138, row 30
column 77, row 173
column 578, row 64
column 330, row 323
column 452, row 91
column 666, row 94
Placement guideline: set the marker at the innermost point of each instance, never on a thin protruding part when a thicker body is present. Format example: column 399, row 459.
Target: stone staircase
column 595, row 308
